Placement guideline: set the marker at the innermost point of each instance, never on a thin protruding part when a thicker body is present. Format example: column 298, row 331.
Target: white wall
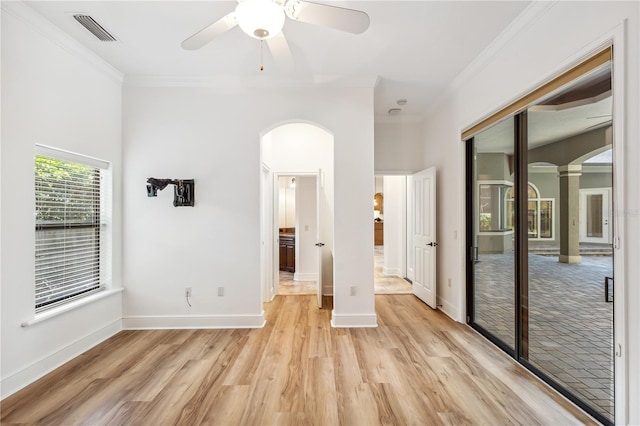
column 214, row 136
column 395, row 214
column 54, row 93
column 305, row 148
column 306, row 230
column 399, row 146
column 549, row 38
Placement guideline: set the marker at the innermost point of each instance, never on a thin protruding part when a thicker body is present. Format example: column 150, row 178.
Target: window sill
column 71, row 306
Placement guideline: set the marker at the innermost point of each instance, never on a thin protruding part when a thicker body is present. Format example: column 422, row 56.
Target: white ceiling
column 415, row 48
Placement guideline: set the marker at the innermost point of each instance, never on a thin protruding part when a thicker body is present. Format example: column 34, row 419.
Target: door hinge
column 618, row 350
column 616, row 243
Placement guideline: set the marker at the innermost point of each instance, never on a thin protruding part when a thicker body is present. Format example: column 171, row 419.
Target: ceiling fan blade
column 210, row 32
column 280, row 51
column 339, row 18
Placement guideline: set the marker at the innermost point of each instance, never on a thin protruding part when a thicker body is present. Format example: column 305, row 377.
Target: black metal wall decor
column 183, row 191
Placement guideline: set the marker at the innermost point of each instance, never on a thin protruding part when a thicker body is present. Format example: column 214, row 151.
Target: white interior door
column 319, row 243
column 424, row 236
column 595, row 208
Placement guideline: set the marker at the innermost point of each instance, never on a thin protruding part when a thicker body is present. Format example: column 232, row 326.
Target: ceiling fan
column 264, row 19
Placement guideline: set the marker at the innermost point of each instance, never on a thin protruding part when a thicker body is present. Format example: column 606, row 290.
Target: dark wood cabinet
column 378, row 233
column 287, row 252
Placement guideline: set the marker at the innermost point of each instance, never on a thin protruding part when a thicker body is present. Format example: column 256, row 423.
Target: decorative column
column 570, row 213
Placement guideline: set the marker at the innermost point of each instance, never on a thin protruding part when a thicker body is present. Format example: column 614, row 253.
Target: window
column 539, row 214
column 490, row 196
column 72, row 257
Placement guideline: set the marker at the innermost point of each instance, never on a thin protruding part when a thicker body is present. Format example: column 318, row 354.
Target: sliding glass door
column 493, row 233
column 539, row 231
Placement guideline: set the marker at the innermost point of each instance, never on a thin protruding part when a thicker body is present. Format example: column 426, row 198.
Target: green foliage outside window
column 66, row 192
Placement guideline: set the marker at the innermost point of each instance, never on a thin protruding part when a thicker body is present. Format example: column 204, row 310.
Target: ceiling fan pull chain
column 261, row 55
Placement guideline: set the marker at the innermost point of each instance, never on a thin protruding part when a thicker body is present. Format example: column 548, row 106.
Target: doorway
column 297, row 235
column 595, row 211
column 297, row 180
column 390, row 218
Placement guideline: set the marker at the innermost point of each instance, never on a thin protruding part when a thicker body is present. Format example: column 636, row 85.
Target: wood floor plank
column 418, row 367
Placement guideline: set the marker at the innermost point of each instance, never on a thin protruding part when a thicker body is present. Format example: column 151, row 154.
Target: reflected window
column 539, row 214
column 491, row 213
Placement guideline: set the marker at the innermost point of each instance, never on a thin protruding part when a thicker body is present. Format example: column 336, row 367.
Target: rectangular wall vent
column 96, row 29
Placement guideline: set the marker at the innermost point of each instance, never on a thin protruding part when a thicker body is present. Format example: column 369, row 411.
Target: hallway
column 385, row 284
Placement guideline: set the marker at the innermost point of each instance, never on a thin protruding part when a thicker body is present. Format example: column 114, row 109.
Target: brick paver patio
column 570, row 324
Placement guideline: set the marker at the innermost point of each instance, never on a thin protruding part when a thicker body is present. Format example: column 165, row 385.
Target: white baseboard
column 193, row 321
column 449, row 309
column 392, row 272
column 18, row 380
column 353, row 320
column 302, row 276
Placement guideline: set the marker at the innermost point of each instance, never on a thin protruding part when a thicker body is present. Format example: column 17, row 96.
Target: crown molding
column 233, row 84
column 36, row 22
column 522, row 21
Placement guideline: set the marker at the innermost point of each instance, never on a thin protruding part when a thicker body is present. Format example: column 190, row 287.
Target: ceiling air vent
column 96, row 29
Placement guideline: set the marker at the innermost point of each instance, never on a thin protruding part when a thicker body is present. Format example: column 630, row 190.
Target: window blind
column 588, row 65
column 70, row 230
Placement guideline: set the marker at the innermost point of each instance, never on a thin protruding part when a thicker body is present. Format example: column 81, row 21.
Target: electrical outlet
column 187, row 292
column 220, row 291
column 449, row 282
column 353, row 290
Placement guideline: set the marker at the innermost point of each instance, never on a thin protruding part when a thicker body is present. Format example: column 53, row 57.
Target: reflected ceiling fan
column 264, row 19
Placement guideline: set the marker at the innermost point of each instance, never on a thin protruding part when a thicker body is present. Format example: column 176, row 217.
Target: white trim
column 394, row 172
column 327, row 290
column 63, row 154
column 495, row 182
column 392, row 272
column 57, row 311
column 617, row 36
column 448, row 308
column 305, row 276
column 29, row 374
column 20, row 10
column 607, row 213
column 353, row 320
column 155, row 322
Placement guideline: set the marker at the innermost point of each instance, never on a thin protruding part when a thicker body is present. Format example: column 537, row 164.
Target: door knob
column 319, row 244
column 432, row 244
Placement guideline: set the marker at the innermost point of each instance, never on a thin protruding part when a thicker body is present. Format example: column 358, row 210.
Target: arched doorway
column 299, row 152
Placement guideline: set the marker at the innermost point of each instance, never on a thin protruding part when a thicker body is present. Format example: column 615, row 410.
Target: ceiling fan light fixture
column 261, row 19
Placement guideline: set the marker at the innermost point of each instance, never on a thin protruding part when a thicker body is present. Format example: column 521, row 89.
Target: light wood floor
column 288, row 286
column 384, row 284
column 417, row 367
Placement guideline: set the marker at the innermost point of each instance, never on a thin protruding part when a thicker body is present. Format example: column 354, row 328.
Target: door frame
column 269, row 282
column 607, row 208
column 271, row 234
